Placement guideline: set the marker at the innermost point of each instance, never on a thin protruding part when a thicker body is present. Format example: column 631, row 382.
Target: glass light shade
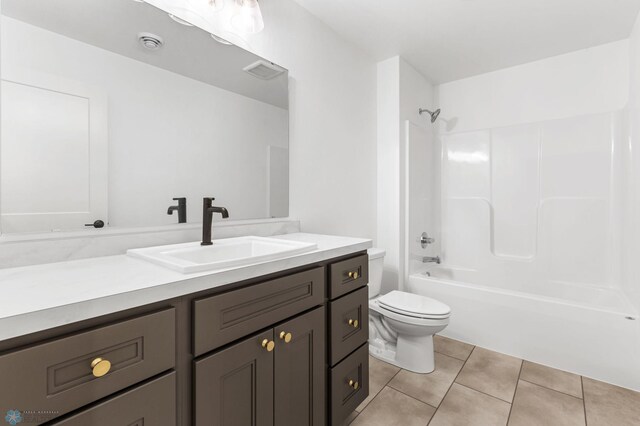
column 216, row 5
column 247, row 18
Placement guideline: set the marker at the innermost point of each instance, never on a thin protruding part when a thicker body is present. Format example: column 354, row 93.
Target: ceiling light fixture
column 230, row 19
column 180, row 20
column 221, row 40
column 216, row 5
column 248, row 17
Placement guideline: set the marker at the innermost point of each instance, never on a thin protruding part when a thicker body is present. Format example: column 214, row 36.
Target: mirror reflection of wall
column 97, row 126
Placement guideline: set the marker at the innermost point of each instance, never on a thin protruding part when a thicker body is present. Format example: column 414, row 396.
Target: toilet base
column 383, row 351
column 416, row 354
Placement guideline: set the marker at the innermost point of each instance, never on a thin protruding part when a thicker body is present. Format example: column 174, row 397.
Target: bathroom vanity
column 129, row 128
column 277, row 343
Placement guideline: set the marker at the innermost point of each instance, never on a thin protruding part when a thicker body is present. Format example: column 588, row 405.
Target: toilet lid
column 413, row 305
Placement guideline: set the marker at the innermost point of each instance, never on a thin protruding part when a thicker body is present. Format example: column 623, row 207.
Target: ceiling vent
column 264, row 70
column 150, row 41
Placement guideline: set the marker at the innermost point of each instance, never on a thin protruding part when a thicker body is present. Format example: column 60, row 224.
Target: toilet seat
column 413, row 305
column 375, row 306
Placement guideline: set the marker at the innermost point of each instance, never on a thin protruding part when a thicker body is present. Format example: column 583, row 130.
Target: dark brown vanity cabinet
column 349, row 384
column 152, row 403
column 349, row 321
column 288, row 349
column 348, row 333
column 226, row 317
column 276, row 377
column 300, row 376
column 348, row 275
column 235, row 385
column 67, row 373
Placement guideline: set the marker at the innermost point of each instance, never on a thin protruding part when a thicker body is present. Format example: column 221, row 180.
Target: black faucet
column 207, row 218
column 181, row 208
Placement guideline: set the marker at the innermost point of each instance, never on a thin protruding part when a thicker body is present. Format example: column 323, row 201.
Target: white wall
column 531, row 170
column 401, row 92
column 333, row 116
column 169, row 136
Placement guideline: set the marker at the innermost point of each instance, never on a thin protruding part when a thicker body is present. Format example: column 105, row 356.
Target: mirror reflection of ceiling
column 114, row 25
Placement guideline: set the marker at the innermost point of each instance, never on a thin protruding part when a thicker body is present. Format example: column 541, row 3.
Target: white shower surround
column 535, row 203
column 532, row 180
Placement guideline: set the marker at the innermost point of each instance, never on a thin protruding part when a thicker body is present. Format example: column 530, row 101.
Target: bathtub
column 587, row 330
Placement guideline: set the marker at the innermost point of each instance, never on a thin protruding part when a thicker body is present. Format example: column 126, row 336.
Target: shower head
column 434, row 114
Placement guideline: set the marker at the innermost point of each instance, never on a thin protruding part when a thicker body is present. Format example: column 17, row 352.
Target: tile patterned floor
column 477, row 387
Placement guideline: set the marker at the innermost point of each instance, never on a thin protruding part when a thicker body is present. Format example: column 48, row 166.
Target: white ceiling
column 451, row 39
column 114, row 25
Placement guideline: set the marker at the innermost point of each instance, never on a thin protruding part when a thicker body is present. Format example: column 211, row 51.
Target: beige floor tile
column 432, row 387
column 492, row 373
column 535, row 405
column 608, row 405
column 379, row 375
column 453, row 348
column 391, row 407
column 551, row 378
column 465, row 407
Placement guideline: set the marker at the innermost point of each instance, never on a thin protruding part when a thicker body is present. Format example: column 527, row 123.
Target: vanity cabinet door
column 348, row 324
column 234, row 387
column 349, row 384
column 153, row 403
column 300, row 370
column 348, row 275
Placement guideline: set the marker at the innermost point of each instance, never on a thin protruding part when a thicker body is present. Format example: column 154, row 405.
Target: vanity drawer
column 223, row 318
column 153, row 403
column 349, row 323
column 349, row 384
column 348, row 275
column 58, row 375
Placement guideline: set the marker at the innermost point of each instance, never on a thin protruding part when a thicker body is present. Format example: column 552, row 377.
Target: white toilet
column 402, row 325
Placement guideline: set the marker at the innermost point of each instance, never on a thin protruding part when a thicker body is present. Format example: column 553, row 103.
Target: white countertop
column 40, row 297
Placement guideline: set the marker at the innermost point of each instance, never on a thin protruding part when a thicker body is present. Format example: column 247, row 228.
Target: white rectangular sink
column 226, row 253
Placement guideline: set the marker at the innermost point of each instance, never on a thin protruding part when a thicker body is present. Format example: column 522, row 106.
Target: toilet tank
column 376, row 264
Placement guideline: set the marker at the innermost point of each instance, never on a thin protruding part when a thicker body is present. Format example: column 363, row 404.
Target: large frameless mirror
column 110, row 110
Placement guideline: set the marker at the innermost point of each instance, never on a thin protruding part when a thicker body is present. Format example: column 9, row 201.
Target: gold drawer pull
column 354, row 323
column 355, row 385
column 354, row 275
column 269, row 345
column 285, row 336
column 100, row 367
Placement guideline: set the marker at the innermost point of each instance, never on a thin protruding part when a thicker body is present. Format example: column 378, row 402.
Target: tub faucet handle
column 425, row 240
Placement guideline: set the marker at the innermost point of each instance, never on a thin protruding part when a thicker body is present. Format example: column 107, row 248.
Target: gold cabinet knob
column 100, row 367
column 269, row 345
column 285, row 336
column 354, row 275
column 354, row 323
column 354, row 384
